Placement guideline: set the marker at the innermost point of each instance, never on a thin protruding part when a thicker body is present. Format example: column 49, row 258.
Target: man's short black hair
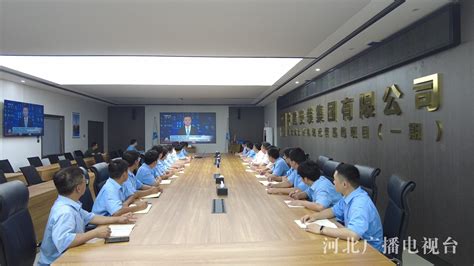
column 117, row 168
column 178, row 147
column 187, row 115
column 159, row 149
column 258, row 146
column 309, row 169
column 131, row 157
column 184, row 143
column 250, row 145
column 151, row 156
column 67, row 179
column 169, row 148
column 266, row 145
column 287, row 151
column 93, row 144
column 174, row 144
column 133, row 141
column 350, row 173
column 274, row 153
column 297, row 155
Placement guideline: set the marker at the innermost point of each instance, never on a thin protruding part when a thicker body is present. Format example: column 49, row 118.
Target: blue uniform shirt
column 146, row 175
column 66, row 219
column 159, row 168
column 295, row 179
column 280, row 167
column 323, row 192
column 110, row 198
column 181, row 155
column 131, row 185
column 251, row 154
column 359, row 214
column 131, row 148
column 245, row 151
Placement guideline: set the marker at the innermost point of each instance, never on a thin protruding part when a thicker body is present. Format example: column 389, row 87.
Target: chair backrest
column 329, row 168
column 31, row 175
column 86, row 199
column 78, row 153
column 35, row 161
column 3, row 178
column 64, row 163
column 321, row 160
column 68, row 156
column 5, row 166
column 17, row 234
column 53, row 159
column 114, row 154
column 397, row 213
column 367, row 180
column 120, row 152
column 80, row 162
column 101, row 171
column 98, row 158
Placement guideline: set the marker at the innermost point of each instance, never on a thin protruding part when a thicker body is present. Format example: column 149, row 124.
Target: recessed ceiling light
column 149, row 70
column 22, row 81
column 317, row 69
column 297, row 82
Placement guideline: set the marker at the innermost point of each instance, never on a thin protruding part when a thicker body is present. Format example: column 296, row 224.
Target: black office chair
column 114, row 154
column 17, row 234
column 68, row 156
column 35, row 161
column 5, row 166
column 31, row 175
column 367, row 180
column 86, row 199
column 53, row 159
column 78, row 153
column 3, row 178
column 329, row 168
column 98, row 158
column 395, row 222
column 101, row 171
column 120, row 152
column 321, row 160
column 64, row 163
column 81, row 163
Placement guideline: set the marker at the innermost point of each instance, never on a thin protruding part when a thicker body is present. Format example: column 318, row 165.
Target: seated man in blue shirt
column 294, row 183
column 67, row 220
column 356, row 210
column 180, row 153
column 111, row 200
column 286, row 158
column 133, row 145
column 161, row 169
column 133, row 186
column 245, row 150
column 146, row 173
column 251, row 154
column 322, row 192
column 280, row 167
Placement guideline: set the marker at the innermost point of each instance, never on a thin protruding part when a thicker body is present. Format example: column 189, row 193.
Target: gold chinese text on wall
column 427, row 97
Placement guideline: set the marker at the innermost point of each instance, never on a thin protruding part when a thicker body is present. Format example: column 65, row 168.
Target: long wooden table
column 180, row 229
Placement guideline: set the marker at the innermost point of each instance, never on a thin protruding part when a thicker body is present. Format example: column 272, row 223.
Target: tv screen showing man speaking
column 189, row 127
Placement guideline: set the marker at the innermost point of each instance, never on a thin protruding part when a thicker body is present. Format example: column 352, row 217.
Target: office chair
column 86, row 199
column 321, row 160
column 68, row 156
column 98, row 158
column 101, row 171
column 78, row 153
column 114, row 154
column 3, row 178
column 17, row 234
column 5, row 166
column 64, row 163
column 31, row 175
column 81, row 163
column 53, row 159
column 367, row 180
column 329, row 168
column 120, row 152
column 395, row 222
column 35, row 161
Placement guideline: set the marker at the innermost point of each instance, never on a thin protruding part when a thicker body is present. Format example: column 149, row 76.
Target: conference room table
column 257, row 228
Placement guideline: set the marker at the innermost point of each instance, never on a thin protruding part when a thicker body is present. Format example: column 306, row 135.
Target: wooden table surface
column 257, row 229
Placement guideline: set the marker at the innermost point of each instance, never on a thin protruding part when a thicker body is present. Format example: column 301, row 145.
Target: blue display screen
column 22, row 119
column 189, row 127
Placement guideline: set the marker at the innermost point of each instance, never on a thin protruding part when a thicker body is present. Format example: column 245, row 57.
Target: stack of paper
column 323, row 222
column 173, row 177
column 144, row 210
column 245, row 163
column 265, row 183
column 156, row 195
column 121, row 230
column 187, row 164
column 249, row 170
column 260, row 176
column 292, row 206
column 165, row 182
column 181, row 172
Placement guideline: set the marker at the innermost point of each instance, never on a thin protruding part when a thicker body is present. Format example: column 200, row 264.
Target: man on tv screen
column 187, row 129
column 25, row 121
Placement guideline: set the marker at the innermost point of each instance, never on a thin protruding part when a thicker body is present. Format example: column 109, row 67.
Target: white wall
column 222, row 124
column 270, row 117
column 17, row 149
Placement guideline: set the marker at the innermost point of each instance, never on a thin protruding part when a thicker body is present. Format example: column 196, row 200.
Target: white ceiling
column 249, row 28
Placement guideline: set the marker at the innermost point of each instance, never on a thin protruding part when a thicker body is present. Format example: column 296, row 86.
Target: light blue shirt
column 359, row 214
column 181, row 155
column 251, row 154
column 131, row 185
column 245, row 151
column 146, row 175
column 131, row 148
column 295, row 179
column 323, row 192
column 185, row 152
column 110, row 198
column 280, row 167
column 66, row 219
column 159, row 169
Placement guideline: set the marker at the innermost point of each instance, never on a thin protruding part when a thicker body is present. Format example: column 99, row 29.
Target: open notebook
column 119, row 233
column 146, row 210
column 292, row 206
column 323, row 222
column 265, row 183
column 260, row 176
column 165, row 182
column 156, row 195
